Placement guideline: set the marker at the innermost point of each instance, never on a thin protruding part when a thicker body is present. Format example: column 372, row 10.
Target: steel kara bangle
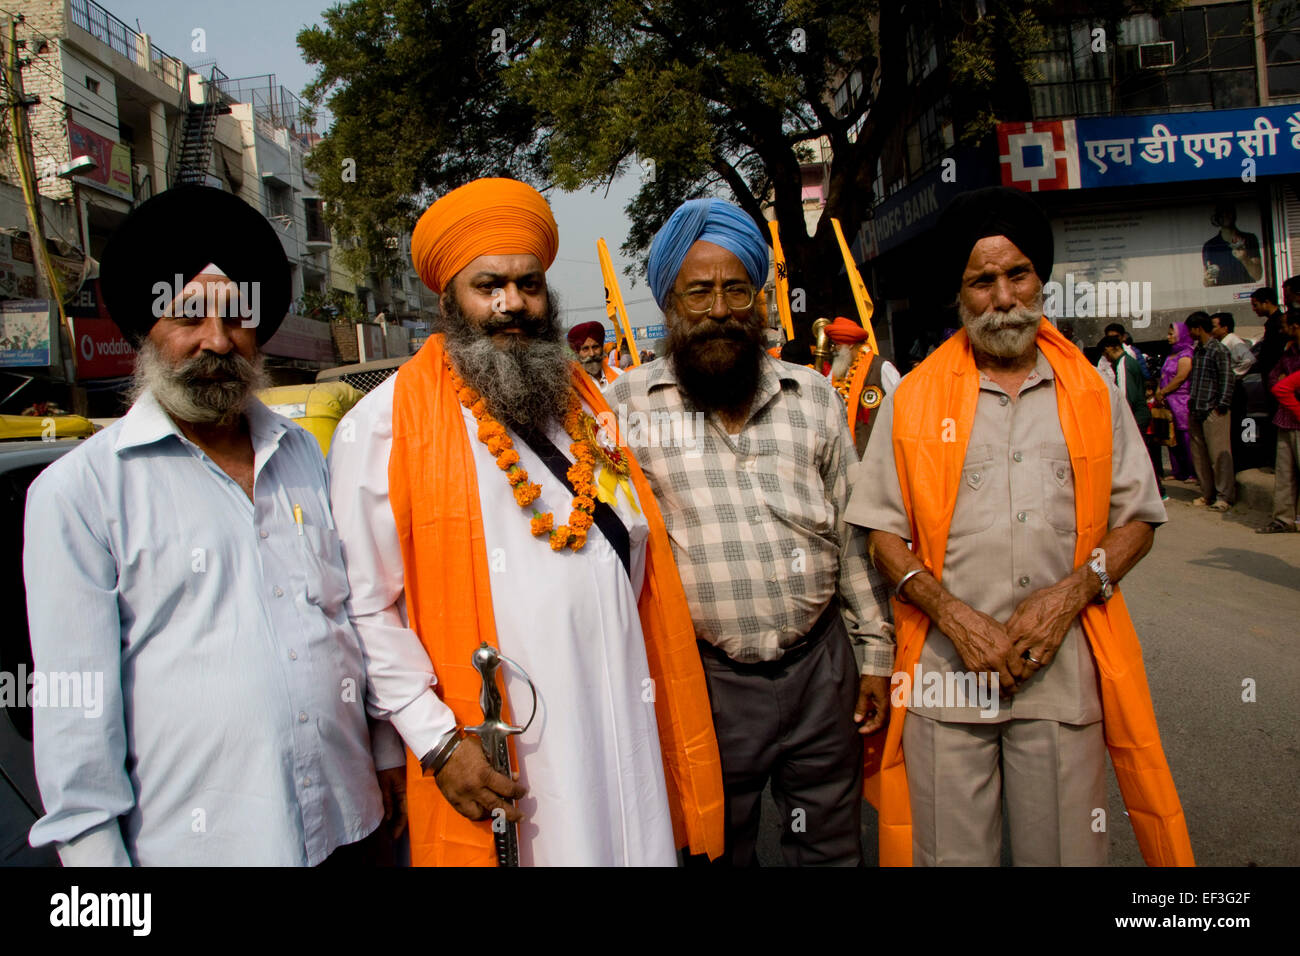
column 435, row 759
column 898, row 588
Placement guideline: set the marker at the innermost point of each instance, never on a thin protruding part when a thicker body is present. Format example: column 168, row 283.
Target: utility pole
column 47, row 284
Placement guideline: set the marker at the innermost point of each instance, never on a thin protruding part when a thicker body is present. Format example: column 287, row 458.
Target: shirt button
column 974, row 476
column 302, row 717
column 1060, row 473
column 1024, row 580
column 263, row 534
column 278, row 592
column 293, row 655
column 1002, row 400
column 1018, row 457
column 1022, row 516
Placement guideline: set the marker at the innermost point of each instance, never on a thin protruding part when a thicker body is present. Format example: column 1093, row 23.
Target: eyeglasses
column 699, row 301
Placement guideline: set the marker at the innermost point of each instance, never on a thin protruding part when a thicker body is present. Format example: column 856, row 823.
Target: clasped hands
column 1026, row 643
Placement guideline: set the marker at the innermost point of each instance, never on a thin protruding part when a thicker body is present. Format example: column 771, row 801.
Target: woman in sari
column 1173, row 394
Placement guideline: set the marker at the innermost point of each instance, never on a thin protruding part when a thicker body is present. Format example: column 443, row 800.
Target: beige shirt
column 1013, row 531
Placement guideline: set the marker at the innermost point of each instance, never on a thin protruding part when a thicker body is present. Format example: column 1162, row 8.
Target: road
column 1215, row 606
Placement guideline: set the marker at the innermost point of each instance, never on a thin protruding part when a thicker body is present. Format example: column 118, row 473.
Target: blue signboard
column 1154, row 148
column 912, row 211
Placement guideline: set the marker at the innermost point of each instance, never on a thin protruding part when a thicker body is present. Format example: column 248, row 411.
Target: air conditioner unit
column 1156, row 56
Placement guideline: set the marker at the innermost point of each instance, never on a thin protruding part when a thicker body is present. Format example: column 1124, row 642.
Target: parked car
column 20, row 801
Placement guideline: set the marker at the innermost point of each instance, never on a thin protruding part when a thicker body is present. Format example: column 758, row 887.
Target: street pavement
column 1215, row 605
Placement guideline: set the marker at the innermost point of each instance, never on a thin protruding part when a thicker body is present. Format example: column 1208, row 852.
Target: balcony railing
column 121, row 39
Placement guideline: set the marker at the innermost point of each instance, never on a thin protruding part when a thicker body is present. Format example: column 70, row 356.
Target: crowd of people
column 843, row 583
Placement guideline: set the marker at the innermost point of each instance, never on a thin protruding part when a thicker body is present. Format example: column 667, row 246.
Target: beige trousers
column 1286, row 474
column 1212, row 456
column 1052, row 775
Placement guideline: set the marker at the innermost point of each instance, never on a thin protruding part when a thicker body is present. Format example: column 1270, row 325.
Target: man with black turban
column 1024, row 488
column 183, row 563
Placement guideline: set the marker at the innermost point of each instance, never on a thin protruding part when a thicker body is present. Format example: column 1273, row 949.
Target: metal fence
column 121, row 39
column 273, row 104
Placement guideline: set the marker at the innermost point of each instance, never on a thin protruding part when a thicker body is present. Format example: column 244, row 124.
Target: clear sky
column 252, row 37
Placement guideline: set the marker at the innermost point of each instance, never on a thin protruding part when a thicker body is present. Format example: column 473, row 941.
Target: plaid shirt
column 756, row 519
column 1210, row 384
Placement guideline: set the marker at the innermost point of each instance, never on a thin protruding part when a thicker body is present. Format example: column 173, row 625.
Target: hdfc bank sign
column 102, row 352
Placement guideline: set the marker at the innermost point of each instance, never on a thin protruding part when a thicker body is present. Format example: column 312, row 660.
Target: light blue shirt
column 231, row 726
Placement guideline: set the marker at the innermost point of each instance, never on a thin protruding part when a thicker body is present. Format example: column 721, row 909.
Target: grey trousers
column 1212, row 456
column 791, row 723
column 1052, row 775
column 1286, row 474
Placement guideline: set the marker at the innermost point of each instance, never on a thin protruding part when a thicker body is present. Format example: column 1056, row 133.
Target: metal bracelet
column 435, row 759
column 898, row 589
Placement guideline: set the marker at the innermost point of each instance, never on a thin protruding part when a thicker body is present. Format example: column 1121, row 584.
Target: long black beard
column 525, row 385
column 717, row 363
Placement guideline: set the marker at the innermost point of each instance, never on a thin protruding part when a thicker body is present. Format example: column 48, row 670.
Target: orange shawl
column 433, row 490
column 945, row 388
column 855, row 392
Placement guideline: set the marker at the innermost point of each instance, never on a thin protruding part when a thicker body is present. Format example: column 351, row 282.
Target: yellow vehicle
column 47, row 428
column 317, row 407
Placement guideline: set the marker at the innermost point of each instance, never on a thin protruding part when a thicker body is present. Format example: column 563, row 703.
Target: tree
column 705, row 99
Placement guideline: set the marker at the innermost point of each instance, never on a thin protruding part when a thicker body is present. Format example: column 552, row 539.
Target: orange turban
column 844, row 332
column 487, row 217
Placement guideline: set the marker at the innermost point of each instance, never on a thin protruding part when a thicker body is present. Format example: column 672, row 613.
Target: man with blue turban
column 753, row 487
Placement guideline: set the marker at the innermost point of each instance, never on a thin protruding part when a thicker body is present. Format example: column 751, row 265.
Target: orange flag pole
column 860, row 295
column 614, row 307
column 782, row 282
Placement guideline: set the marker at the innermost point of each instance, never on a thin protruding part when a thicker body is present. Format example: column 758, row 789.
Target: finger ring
column 1032, row 659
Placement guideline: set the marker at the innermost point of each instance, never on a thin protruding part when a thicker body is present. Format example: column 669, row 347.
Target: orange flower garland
column 844, row 384
column 581, row 473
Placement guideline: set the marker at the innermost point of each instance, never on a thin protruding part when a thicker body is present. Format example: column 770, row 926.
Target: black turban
column 995, row 211
column 180, row 231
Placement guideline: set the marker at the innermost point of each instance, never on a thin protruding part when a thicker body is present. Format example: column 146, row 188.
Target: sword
column 493, row 734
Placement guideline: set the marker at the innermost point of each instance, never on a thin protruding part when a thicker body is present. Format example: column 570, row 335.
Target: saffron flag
column 614, row 307
column 860, row 295
column 782, row 281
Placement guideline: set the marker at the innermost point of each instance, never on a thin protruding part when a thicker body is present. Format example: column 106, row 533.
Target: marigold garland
column 846, row 383
column 581, row 428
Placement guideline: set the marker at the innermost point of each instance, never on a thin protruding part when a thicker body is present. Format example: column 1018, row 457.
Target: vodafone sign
column 101, row 350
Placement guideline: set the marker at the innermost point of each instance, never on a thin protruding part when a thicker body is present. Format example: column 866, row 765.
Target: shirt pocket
column 975, row 509
column 1058, row 486
column 327, row 579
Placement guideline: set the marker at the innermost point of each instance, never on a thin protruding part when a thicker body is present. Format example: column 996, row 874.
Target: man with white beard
column 187, row 554
column 1024, row 488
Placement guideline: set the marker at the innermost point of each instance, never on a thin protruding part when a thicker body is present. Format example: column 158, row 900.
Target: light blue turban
column 712, row 220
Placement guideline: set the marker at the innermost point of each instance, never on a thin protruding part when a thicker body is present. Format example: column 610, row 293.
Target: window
column 1075, row 80
column 929, row 138
column 92, row 84
column 922, row 52
column 1214, row 60
column 1282, row 51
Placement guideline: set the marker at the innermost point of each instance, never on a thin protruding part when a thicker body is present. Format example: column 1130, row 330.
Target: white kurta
column 591, row 759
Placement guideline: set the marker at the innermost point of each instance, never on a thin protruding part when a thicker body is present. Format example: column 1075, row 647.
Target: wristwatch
column 1107, row 589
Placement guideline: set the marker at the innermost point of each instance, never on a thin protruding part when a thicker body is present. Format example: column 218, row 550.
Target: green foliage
column 330, row 304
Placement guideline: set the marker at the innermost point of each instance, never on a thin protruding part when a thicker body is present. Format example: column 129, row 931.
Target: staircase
column 195, row 152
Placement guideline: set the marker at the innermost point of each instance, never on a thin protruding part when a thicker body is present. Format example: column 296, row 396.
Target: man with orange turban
column 483, row 496
column 861, row 379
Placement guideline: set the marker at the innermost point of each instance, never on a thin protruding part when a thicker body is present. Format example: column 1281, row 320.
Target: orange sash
column 433, row 490
column 855, row 391
column 941, row 395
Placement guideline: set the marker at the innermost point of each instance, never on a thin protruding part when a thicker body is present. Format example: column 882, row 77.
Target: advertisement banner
column 112, row 172
column 1154, row 148
column 26, row 327
column 1147, row 267
column 102, row 352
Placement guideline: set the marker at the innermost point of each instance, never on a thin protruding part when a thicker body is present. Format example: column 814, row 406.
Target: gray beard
column 526, row 384
column 593, row 367
column 842, row 360
column 1003, row 335
column 207, row 389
